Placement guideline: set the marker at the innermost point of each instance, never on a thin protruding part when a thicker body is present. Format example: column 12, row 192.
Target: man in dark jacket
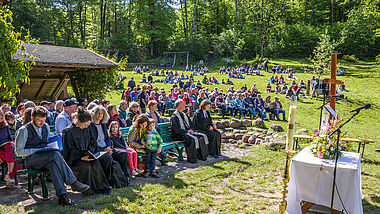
column 181, row 127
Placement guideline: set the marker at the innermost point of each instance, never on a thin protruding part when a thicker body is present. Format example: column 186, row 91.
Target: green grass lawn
column 251, row 184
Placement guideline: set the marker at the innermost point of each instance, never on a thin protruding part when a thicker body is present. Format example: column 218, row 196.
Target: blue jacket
column 261, row 102
column 239, row 103
column 94, row 131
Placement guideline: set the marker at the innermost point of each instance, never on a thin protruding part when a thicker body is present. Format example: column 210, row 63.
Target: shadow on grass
column 305, row 101
column 370, row 175
column 370, row 161
column 173, row 182
column 370, row 207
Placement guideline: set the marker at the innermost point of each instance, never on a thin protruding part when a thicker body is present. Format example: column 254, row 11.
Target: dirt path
column 30, row 201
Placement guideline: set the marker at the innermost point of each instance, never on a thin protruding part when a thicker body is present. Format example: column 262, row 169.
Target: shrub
column 350, row 58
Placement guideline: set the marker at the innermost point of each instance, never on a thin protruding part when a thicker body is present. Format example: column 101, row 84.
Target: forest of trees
column 144, row 29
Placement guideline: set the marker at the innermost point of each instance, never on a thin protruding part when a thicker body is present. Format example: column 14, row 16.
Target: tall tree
column 13, row 71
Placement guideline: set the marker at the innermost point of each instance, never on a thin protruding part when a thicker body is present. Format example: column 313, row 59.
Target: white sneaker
column 134, row 173
column 139, row 171
column 11, row 184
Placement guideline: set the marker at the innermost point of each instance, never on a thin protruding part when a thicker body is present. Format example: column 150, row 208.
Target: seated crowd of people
column 140, row 70
column 238, row 71
column 243, row 102
column 280, row 70
column 94, row 156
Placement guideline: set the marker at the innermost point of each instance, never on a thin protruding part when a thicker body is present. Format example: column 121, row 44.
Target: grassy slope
column 251, row 184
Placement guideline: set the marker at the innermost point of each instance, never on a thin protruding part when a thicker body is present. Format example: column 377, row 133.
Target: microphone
column 365, row 106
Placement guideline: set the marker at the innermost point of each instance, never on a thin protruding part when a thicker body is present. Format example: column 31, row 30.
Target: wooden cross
column 333, row 81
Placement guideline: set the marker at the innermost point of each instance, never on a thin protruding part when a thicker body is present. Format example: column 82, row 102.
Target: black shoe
column 79, row 187
column 63, row 200
column 107, row 192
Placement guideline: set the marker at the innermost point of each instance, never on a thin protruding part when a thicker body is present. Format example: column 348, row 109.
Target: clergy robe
column 115, row 166
column 202, row 123
column 75, row 142
column 195, row 145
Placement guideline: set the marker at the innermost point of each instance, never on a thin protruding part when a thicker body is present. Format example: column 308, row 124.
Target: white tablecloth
column 311, row 180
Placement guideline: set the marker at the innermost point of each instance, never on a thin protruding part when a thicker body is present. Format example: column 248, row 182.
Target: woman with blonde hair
column 99, row 130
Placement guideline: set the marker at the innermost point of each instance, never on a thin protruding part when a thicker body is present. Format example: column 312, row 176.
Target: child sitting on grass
column 153, row 143
column 119, row 143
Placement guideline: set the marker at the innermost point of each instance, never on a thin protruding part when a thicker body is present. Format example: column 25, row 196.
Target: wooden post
column 333, row 81
column 308, row 88
column 175, row 56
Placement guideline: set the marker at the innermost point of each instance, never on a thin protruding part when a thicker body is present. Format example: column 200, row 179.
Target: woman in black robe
column 202, row 122
column 77, row 142
column 182, row 129
column 115, row 162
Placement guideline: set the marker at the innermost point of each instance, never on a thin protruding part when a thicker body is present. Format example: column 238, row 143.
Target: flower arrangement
column 323, row 146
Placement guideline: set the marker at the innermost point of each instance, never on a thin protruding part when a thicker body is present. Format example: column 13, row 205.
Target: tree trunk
column 305, row 12
column 183, row 21
column 104, row 17
column 84, row 24
column 217, row 19
column 186, row 32
column 332, row 11
column 236, row 12
column 101, row 19
column 81, row 22
column 195, row 17
column 151, row 5
column 115, row 17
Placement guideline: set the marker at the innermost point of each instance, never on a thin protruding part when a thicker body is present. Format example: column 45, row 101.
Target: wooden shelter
column 49, row 77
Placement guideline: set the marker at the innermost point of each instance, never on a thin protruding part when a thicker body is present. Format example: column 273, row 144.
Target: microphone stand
column 321, row 107
column 339, row 131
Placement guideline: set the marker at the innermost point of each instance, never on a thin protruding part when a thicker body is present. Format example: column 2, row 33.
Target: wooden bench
column 165, row 132
column 362, row 142
column 33, row 175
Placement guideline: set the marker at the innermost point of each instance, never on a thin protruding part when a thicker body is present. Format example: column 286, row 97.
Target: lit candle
column 291, row 123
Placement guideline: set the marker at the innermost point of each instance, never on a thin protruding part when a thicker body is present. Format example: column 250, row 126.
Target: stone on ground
column 223, row 134
column 259, row 123
column 229, row 136
column 219, row 125
column 302, row 131
column 235, row 123
column 238, row 136
column 229, row 129
column 277, row 128
column 246, row 122
column 245, row 138
column 252, row 140
column 225, row 123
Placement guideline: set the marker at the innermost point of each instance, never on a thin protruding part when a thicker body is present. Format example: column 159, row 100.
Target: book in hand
column 92, row 155
column 55, row 142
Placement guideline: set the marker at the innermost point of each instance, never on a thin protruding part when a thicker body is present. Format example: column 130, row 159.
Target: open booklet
column 93, row 156
column 54, row 144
